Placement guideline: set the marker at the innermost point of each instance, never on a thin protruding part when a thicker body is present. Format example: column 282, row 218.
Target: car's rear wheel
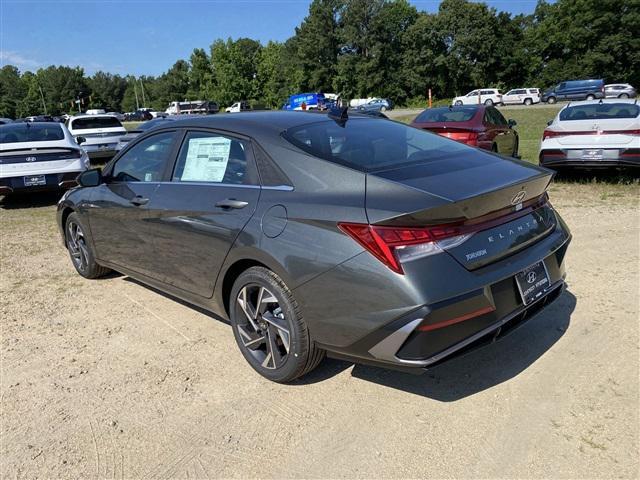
column 488, row 102
column 591, row 97
column 551, row 100
column 269, row 327
column 458, row 102
column 80, row 250
column 623, row 95
column 528, row 101
column 383, row 109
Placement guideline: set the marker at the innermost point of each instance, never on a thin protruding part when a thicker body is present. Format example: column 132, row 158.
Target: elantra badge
column 518, row 197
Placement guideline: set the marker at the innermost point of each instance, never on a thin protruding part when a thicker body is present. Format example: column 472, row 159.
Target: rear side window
column 371, row 145
column 453, row 114
column 600, row 111
column 213, row 158
column 97, row 122
column 30, row 132
column 146, row 161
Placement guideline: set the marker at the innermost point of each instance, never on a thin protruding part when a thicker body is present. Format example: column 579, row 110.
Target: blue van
column 575, row 90
column 312, row 101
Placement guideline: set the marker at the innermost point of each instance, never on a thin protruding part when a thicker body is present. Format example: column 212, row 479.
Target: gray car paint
column 345, row 292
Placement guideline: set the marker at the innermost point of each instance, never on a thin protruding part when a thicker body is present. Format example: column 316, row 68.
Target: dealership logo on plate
column 531, row 277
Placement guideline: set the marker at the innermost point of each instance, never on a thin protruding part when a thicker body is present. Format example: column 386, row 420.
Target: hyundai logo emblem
column 518, row 197
column 31, row 159
column 531, row 277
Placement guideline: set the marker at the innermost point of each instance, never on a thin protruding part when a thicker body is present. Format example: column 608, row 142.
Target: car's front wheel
column 458, row 102
column 591, row 97
column 383, row 109
column 269, row 327
column 551, row 100
column 80, row 250
column 488, row 102
column 528, row 101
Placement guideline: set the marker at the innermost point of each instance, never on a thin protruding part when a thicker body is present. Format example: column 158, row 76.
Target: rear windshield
column 372, row 145
column 600, row 111
column 30, row 132
column 454, row 114
column 97, row 122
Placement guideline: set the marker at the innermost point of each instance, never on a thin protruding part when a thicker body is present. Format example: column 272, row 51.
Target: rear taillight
column 394, row 245
column 551, row 134
column 470, row 138
column 391, row 245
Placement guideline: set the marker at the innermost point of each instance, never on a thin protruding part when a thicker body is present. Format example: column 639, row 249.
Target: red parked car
column 480, row 126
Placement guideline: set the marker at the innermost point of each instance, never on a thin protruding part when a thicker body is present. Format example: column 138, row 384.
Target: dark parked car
column 575, row 90
column 361, row 237
column 138, row 116
column 476, row 125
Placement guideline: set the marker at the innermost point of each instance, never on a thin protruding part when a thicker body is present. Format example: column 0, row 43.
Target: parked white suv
column 38, row 156
column 488, row 96
column 101, row 133
column 593, row 134
column 521, row 96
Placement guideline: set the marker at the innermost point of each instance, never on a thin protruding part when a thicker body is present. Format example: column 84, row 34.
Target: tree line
column 362, row 48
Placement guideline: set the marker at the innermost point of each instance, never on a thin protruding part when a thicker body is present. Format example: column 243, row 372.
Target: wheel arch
column 235, row 268
column 64, row 214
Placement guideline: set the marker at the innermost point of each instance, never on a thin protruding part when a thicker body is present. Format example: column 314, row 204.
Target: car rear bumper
column 430, row 314
column 53, row 181
column 611, row 158
column 103, row 150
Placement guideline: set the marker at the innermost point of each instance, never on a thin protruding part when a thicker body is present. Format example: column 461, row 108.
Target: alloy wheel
column 77, row 246
column 264, row 331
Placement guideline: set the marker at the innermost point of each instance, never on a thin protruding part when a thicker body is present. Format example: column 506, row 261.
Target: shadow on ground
column 30, row 200
column 476, row 371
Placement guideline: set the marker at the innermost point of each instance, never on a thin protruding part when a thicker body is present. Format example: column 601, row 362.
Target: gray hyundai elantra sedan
column 352, row 236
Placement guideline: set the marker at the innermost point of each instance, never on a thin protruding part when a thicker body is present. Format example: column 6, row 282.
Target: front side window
column 212, row 158
column 472, row 94
column 145, row 161
column 496, row 117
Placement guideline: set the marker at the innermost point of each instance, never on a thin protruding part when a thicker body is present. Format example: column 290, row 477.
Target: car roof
column 100, row 115
column 603, row 100
column 252, row 122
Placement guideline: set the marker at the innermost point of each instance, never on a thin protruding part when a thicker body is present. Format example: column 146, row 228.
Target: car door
column 561, row 91
column 120, row 219
column 213, row 192
column 471, row 98
column 504, row 137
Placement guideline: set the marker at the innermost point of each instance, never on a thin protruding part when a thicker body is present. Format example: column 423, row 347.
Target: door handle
column 231, row 203
column 138, row 201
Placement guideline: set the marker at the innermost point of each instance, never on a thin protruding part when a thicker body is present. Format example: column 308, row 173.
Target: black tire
column 383, row 108
column 488, row 102
column 494, row 148
column 515, row 149
column 591, row 97
column 78, row 244
column 551, row 100
column 279, row 364
column 623, row 95
column 458, row 103
column 528, row 101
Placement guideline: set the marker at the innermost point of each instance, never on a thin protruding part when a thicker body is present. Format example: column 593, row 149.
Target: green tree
column 12, row 90
column 271, row 86
column 200, row 75
column 234, row 69
column 31, row 103
column 107, row 91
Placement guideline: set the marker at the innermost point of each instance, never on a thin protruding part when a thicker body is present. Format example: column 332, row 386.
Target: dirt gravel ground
column 110, row 379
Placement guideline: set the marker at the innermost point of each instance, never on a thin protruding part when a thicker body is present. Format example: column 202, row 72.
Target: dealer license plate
column 533, row 282
column 34, row 180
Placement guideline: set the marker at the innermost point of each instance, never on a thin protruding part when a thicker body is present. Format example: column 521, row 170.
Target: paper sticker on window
column 206, row 160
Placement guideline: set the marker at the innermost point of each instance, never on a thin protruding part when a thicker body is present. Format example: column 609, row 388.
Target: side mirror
column 80, row 140
column 90, row 178
column 549, row 122
column 512, row 123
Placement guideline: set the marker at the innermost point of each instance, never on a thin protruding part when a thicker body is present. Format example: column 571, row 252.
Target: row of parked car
column 569, row 90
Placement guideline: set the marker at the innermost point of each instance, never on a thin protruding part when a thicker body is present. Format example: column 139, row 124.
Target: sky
column 145, row 37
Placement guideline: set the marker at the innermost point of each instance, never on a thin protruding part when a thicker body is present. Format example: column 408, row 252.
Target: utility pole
column 44, row 105
column 135, row 90
column 144, row 101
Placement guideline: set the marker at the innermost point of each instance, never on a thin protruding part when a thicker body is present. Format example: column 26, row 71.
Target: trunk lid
column 491, row 195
